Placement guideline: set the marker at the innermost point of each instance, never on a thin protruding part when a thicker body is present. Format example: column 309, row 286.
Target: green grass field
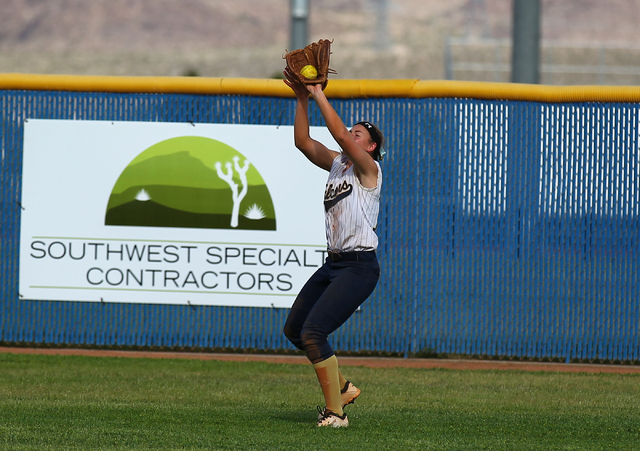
column 86, row 403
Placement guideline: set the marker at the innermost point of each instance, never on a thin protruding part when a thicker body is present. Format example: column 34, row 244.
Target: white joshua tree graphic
column 228, row 177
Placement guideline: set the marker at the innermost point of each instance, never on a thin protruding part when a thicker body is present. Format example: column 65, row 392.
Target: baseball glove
column 311, row 64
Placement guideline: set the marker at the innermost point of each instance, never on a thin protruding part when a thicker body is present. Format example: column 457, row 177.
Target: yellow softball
column 309, row 72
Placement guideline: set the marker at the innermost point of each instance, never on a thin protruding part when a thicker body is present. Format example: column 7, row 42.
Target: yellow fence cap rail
column 525, row 92
column 403, row 88
column 184, row 85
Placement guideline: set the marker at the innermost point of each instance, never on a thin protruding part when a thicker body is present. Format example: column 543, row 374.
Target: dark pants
column 328, row 299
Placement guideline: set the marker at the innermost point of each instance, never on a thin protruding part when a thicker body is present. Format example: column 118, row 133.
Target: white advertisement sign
column 165, row 213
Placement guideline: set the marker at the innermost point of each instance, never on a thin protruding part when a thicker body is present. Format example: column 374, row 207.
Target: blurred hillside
column 247, row 38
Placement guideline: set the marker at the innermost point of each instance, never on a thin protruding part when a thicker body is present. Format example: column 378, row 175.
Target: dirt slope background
column 378, row 39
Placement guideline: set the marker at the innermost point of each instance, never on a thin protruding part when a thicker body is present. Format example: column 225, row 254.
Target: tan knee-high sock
column 343, row 381
column 328, row 376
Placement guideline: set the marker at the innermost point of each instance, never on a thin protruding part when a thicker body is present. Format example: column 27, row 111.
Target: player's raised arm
column 314, row 150
column 355, row 144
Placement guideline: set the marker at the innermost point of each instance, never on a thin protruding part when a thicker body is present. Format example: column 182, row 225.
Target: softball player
column 351, row 270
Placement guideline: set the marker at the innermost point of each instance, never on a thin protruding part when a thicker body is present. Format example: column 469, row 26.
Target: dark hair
column 376, row 137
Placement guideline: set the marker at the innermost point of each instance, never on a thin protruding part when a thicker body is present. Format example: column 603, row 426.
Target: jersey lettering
column 334, row 195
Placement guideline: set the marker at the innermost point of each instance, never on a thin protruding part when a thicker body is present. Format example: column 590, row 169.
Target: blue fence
column 508, row 229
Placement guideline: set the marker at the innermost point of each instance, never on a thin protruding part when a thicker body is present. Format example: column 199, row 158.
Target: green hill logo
column 191, row 182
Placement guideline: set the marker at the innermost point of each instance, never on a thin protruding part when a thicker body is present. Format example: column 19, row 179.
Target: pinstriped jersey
column 350, row 209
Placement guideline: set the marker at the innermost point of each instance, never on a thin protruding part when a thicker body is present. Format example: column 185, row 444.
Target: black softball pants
column 328, row 299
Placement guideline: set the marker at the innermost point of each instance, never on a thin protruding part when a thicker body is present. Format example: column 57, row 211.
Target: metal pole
column 448, row 60
column 381, row 40
column 299, row 24
column 525, row 56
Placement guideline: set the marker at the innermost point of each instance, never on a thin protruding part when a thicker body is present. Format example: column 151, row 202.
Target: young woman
column 351, row 270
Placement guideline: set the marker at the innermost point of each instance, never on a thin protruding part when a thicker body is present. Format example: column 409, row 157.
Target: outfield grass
column 85, row 403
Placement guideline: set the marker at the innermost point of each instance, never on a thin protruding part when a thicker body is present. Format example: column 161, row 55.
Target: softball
column 309, row 72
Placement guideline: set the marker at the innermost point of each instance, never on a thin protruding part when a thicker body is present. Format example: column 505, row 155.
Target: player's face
column 362, row 137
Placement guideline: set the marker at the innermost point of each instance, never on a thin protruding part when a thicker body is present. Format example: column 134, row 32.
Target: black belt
column 353, row 255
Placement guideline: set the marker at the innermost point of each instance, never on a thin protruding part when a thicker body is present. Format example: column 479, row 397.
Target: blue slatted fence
column 508, row 229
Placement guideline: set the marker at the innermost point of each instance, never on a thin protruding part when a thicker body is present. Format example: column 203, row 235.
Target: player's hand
column 292, row 81
column 314, row 89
